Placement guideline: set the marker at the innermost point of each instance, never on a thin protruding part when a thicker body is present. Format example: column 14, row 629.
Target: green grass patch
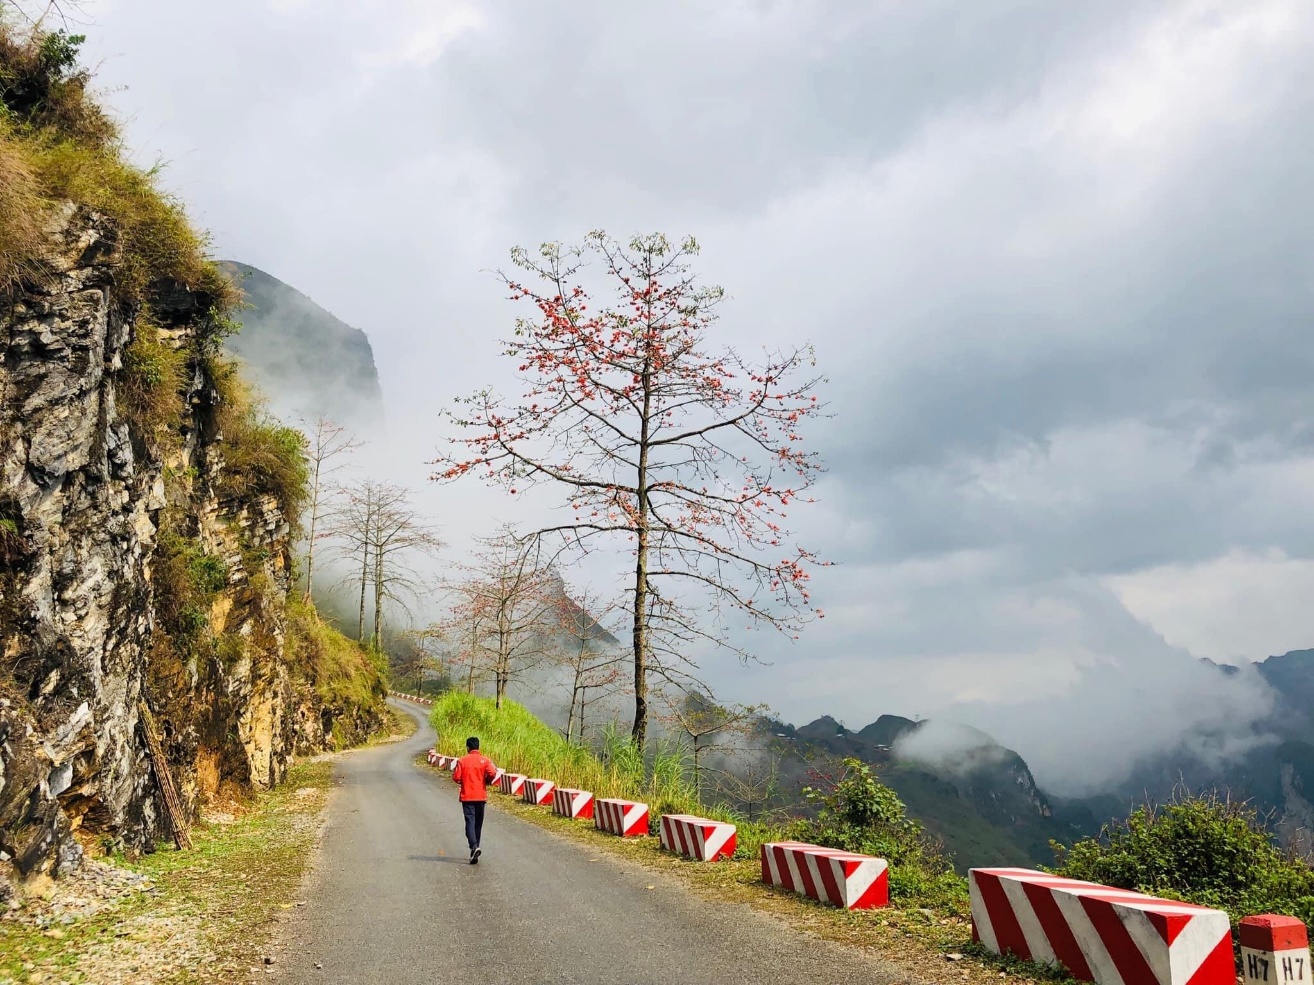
column 261, row 455
column 514, row 738
column 344, row 674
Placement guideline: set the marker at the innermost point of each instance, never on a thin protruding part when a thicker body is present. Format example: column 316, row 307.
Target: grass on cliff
column 154, row 373
column 261, row 455
column 343, row 673
column 57, row 144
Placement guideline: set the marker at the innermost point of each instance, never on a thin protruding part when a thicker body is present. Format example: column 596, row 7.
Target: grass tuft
column 261, row 455
column 343, row 673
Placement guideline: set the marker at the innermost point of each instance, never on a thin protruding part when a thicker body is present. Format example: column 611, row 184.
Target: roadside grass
column 210, row 912
column 205, row 916
column 933, row 943
column 518, row 740
column 928, row 945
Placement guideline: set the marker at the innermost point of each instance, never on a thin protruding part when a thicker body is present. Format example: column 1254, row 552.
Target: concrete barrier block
column 512, row 783
column 844, row 879
column 1274, row 950
column 569, row 802
column 1098, row 933
column 697, row 837
column 626, row 818
column 538, row 791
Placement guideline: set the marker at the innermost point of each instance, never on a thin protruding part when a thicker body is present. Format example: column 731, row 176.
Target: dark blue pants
column 474, row 821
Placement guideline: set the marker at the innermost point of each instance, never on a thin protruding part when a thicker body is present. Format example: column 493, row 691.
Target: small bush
column 261, row 455
column 42, row 87
column 343, row 674
column 154, row 373
column 187, row 580
column 1203, row 849
column 858, row 813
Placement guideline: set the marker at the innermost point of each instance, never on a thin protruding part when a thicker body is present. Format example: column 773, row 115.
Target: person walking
column 473, row 772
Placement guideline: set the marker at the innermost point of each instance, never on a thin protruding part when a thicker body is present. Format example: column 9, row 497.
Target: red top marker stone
column 1270, row 932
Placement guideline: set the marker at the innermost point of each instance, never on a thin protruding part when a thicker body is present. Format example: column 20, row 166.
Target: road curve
column 393, row 900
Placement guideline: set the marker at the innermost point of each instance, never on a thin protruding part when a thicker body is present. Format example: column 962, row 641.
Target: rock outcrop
column 84, row 490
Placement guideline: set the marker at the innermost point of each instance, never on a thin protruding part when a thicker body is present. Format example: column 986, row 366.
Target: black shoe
column 474, row 855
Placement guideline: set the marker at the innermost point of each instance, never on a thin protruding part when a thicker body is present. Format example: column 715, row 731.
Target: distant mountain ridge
column 980, row 798
column 306, row 360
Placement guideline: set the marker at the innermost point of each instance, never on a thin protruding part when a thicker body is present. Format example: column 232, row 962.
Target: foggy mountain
column 981, row 799
column 305, row 360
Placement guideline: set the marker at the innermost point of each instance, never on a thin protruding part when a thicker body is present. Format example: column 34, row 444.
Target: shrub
column 343, row 673
column 261, row 455
column 858, row 813
column 41, row 85
column 55, row 143
column 187, row 580
column 1204, row 849
column 154, row 373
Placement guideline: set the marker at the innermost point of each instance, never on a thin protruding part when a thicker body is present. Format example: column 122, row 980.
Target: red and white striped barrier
column 1274, row 950
column 626, row 818
column 697, row 837
column 497, row 777
column 432, row 757
column 1100, row 934
column 512, row 783
column 572, row 803
column 538, row 791
column 415, row 698
column 845, row 879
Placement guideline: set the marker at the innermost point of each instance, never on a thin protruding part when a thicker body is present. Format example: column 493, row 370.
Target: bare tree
column 591, row 654
column 378, row 526
column 709, row 726
column 326, row 442
column 507, row 605
column 686, row 457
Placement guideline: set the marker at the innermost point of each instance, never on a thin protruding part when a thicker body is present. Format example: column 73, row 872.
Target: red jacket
column 474, row 771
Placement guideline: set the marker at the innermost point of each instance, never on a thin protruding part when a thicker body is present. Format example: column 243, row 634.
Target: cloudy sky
column 1054, row 258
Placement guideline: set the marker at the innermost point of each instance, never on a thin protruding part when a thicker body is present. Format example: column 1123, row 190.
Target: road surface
column 394, row 900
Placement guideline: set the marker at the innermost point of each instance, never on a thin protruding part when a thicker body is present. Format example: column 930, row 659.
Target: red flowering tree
column 685, row 454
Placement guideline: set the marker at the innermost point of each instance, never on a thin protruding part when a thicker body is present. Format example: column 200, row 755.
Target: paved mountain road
column 394, row 900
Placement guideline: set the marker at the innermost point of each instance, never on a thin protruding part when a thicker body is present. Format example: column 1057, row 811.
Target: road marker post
column 1274, row 950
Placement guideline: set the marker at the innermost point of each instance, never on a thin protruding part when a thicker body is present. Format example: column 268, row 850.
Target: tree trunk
column 503, row 659
column 570, row 717
column 639, row 734
column 310, row 542
column 364, row 578
column 698, row 783
column 378, row 599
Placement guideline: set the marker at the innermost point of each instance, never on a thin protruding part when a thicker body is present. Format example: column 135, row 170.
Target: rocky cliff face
column 84, row 492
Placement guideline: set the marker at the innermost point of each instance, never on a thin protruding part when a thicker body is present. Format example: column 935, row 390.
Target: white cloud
column 1054, row 258
column 1240, row 607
